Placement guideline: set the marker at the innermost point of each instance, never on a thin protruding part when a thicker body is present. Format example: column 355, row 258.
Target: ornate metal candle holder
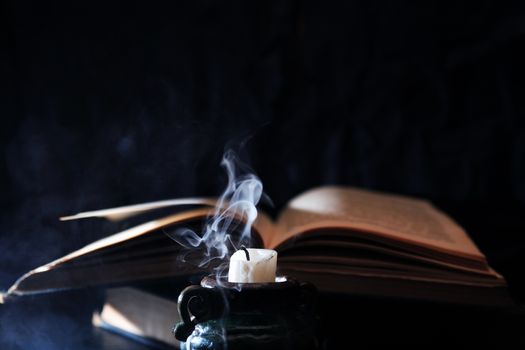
column 219, row 315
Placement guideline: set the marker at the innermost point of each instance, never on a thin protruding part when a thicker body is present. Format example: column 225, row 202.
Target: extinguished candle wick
column 246, row 251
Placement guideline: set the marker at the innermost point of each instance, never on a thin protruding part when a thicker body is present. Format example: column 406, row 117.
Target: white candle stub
column 259, row 268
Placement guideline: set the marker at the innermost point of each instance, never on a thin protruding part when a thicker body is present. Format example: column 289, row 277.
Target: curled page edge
column 124, row 212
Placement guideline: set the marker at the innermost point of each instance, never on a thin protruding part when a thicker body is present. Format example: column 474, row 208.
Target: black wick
column 246, row 251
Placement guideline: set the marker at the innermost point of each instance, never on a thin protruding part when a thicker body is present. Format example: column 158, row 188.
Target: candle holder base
column 219, row 315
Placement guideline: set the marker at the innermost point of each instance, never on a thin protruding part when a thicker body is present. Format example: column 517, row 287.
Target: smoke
column 235, row 211
column 230, row 226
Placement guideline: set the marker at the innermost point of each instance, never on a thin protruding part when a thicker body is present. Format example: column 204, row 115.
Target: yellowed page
column 263, row 222
column 265, row 227
column 125, row 212
column 399, row 217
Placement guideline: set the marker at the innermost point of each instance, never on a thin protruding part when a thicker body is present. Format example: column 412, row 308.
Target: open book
column 344, row 240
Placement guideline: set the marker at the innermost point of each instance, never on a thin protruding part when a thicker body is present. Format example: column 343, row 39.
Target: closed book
column 139, row 315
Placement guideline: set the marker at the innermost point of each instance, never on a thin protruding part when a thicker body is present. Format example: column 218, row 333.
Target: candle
column 252, row 266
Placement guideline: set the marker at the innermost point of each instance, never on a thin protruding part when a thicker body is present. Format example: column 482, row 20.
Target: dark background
column 113, row 103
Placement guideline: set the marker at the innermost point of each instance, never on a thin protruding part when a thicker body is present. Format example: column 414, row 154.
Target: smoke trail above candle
column 235, row 211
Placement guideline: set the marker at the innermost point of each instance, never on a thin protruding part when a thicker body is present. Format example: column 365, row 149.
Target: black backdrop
column 112, row 103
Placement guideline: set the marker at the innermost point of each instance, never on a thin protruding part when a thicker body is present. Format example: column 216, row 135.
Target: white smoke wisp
column 236, row 205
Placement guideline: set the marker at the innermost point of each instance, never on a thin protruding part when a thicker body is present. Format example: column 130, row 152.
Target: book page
column 117, row 250
column 399, row 217
column 264, row 227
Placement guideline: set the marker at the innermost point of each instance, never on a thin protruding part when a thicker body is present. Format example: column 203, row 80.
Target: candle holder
column 223, row 315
